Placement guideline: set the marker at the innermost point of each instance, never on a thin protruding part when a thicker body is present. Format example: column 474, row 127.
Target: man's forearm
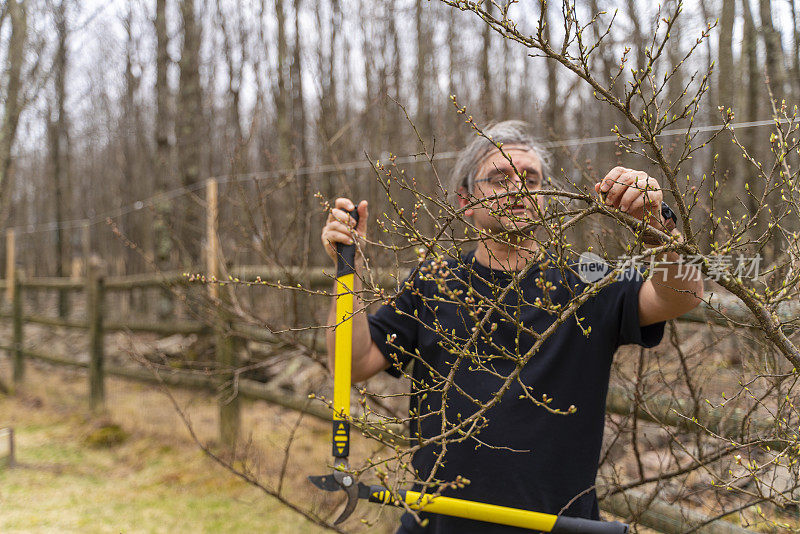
column 675, row 282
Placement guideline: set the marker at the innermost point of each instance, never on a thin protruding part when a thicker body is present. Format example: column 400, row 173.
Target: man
column 538, row 446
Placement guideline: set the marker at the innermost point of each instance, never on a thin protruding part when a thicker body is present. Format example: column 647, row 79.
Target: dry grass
column 158, row 479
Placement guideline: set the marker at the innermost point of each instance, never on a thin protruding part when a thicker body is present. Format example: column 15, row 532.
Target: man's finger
column 334, row 236
column 611, row 177
column 363, row 216
column 618, row 188
column 338, row 226
column 633, row 193
column 633, row 207
column 343, row 217
column 344, row 203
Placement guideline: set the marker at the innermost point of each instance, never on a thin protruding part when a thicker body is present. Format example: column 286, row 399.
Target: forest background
column 116, row 115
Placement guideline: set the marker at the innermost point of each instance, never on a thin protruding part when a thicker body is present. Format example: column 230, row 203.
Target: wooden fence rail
column 660, row 409
column 723, row 309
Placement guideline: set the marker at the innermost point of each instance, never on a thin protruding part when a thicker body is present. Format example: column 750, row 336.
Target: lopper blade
column 352, row 500
column 325, row 482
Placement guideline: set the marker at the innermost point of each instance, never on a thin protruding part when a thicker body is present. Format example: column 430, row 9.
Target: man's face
column 515, row 209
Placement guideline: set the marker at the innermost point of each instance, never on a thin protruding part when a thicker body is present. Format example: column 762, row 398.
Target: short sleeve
column 394, row 329
column 621, row 299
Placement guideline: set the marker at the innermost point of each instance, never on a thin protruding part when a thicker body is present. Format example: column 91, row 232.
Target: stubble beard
column 510, row 228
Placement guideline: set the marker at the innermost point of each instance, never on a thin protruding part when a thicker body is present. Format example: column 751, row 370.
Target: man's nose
column 514, row 182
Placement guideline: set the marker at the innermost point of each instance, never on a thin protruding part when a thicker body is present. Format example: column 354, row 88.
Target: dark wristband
column 668, row 218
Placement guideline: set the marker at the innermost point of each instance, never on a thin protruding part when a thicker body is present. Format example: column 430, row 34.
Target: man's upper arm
column 620, row 303
column 394, row 332
column 651, row 307
column 374, row 363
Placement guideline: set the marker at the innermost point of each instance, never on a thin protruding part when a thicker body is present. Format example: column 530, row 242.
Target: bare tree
column 281, row 90
column 725, row 94
column 162, row 238
column 18, row 16
column 795, row 55
column 773, row 50
column 189, row 129
column 59, row 145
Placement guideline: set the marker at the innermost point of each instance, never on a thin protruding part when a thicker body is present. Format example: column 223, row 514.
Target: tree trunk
column 675, row 56
column 508, row 106
column 422, row 75
column 486, row 104
column 795, row 85
column 751, row 109
column 189, row 135
column 396, row 67
column 773, row 52
column 552, row 112
column 234, row 75
column 298, row 101
column 299, row 142
column 773, row 59
column 281, row 92
column 58, row 148
column 18, row 14
column 726, row 164
column 328, row 122
column 454, row 85
column 162, row 238
column 712, row 116
column 129, row 187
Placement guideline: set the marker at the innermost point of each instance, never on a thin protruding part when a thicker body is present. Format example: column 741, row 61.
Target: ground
column 151, row 477
column 80, row 473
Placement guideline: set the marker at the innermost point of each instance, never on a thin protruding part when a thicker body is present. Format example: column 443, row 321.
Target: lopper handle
column 345, row 278
column 576, row 525
column 492, row 513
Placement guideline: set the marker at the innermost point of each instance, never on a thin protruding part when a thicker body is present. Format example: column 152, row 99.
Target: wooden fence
column 95, row 287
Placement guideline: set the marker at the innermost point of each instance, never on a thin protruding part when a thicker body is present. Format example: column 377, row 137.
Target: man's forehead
column 519, row 155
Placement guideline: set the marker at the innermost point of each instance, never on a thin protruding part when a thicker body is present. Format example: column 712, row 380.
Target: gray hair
column 506, row 133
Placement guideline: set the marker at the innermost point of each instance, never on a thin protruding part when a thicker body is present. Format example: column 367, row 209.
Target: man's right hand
column 340, row 226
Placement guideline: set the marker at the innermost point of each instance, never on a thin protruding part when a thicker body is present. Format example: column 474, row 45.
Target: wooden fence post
column 17, row 338
column 229, row 406
column 11, row 262
column 12, row 459
column 212, row 223
column 94, row 314
column 229, row 409
column 86, row 245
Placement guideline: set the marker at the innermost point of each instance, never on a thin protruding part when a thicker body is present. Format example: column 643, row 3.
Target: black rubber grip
column 576, row 525
column 346, row 254
column 378, row 494
column 341, row 439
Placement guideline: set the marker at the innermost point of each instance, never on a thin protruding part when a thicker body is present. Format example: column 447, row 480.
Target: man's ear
column 463, row 200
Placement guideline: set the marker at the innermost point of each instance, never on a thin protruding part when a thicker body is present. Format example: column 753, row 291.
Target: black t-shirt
column 525, row 456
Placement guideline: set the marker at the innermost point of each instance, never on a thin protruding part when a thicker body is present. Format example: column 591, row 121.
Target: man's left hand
column 632, row 192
